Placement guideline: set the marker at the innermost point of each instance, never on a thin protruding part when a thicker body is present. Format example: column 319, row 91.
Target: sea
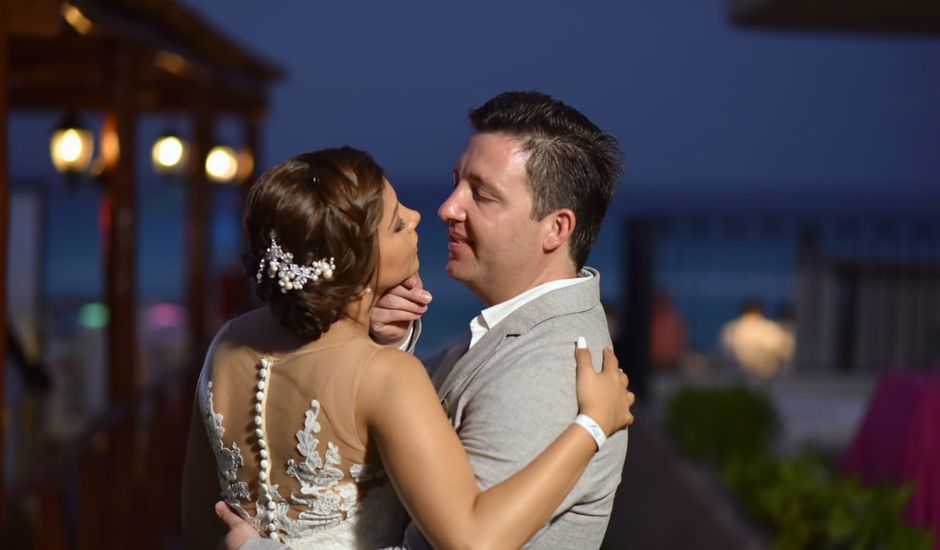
column 711, row 252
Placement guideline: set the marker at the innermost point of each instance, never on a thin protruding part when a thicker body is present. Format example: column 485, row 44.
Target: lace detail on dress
column 318, row 478
column 327, row 505
column 229, row 460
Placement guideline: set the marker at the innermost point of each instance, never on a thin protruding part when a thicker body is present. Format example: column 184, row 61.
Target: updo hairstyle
column 323, row 204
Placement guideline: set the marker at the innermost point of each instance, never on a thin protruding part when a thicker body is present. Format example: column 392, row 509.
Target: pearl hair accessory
column 280, row 264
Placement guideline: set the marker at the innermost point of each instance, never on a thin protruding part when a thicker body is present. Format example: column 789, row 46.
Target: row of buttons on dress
column 265, row 498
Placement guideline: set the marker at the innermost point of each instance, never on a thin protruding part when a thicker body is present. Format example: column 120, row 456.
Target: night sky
column 699, row 106
column 707, row 114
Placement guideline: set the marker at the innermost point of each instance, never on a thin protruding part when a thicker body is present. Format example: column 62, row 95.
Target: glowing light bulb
column 71, row 145
column 71, row 149
column 221, row 164
column 167, row 154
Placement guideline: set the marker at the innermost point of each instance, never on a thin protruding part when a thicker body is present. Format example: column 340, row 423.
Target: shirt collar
column 491, row 316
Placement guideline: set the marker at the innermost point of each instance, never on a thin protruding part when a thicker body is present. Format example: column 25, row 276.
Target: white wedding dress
column 286, row 453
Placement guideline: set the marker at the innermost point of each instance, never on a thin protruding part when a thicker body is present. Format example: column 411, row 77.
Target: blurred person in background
column 668, row 337
column 756, row 344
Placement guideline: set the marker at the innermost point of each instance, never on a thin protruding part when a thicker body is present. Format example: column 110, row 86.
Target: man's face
column 494, row 245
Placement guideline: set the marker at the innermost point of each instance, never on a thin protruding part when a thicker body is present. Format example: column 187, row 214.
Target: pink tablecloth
column 899, row 442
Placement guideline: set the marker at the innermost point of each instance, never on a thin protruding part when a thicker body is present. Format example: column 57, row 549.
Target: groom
column 530, row 192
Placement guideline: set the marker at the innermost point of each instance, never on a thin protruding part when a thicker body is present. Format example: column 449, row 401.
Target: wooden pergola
column 125, row 58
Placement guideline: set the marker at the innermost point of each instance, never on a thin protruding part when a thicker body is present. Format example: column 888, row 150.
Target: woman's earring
column 368, row 290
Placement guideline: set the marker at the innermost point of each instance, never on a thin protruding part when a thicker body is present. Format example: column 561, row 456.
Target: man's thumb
column 226, row 514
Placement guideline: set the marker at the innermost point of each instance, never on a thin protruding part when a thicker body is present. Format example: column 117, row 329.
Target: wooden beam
column 198, row 216
column 61, row 48
column 82, row 83
column 121, row 296
column 251, row 130
column 32, row 17
column 908, row 16
column 4, row 235
column 72, row 71
column 171, row 25
column 240, row 289
column 632, row 344
column 80, row 98
column 164, row 93
column 145, row 25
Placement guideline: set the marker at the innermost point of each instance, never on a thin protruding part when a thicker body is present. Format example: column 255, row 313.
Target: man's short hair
column 572, row 163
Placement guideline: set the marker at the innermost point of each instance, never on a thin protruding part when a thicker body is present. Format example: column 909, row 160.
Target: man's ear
column 559, row 226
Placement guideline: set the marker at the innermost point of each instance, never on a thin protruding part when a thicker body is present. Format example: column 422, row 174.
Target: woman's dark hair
column 323, row 204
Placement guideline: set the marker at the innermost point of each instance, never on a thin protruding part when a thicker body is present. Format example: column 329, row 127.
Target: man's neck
column 546, row 276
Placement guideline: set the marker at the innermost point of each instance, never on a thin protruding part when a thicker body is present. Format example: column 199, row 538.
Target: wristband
column 592, row 428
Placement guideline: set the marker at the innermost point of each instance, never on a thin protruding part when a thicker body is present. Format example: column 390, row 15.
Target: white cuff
column 406, row 343
column 592, row 428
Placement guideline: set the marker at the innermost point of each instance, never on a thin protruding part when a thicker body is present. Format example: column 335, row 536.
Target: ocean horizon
column 702, row 262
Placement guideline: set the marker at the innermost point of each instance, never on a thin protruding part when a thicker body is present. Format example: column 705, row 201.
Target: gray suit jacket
column 514, row 392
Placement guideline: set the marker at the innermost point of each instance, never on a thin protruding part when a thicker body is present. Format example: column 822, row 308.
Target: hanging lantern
column 221, row 164
column 169, row 154
column 71, row 146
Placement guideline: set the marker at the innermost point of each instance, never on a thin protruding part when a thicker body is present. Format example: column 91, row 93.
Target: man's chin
column 456, row 271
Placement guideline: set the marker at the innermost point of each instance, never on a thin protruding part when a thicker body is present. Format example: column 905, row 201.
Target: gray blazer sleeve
column 263, row 544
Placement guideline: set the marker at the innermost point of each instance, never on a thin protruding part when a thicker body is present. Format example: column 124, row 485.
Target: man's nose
column 451, row 210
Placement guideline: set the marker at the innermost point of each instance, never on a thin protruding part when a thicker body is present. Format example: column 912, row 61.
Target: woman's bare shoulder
column 392, row 368
column 394, row 381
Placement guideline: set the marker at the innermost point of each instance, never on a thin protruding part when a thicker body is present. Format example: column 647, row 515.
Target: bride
column 315, row 434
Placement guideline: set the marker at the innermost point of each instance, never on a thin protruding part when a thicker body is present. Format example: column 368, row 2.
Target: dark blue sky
column 706, row 113
column 698, row 105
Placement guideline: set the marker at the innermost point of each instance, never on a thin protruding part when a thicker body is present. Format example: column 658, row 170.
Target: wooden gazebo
column 123, row 58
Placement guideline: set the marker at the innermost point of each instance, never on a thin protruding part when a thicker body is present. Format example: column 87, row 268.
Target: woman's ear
column 559, row 225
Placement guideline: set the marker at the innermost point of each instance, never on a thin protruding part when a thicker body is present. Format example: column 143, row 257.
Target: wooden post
column 4, row 233
column 251, row 130
column 252, row 143
column 633, row 341
column 92, row 486
column 235, row 287
column 198, row 215
column 122, row 333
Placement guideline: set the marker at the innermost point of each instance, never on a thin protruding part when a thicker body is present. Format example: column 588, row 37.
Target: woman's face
column 398, row 241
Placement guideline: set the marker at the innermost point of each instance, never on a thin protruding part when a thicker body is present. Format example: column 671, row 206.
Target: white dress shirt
column 491, row 316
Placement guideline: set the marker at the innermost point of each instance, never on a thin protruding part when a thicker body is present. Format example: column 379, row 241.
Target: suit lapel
column 460, row 365
column 465, row 365
column 448, row 361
